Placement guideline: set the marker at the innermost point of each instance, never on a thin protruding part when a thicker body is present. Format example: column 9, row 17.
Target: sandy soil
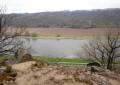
column 58, row 75
column 67, row 32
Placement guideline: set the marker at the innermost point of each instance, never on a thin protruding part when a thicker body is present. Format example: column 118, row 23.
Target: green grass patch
column 34, row 35
column 6, row 57
column 66, row 60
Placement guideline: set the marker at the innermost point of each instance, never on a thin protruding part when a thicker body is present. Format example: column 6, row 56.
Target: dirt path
column 114, row 82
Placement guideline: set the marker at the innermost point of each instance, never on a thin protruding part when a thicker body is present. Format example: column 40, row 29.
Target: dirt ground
column 59, row 75
column 67, row 32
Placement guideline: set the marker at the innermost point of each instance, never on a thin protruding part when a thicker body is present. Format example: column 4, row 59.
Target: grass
column 47, row 59
column 51, row 60
column 6, row 57
column 62, row 60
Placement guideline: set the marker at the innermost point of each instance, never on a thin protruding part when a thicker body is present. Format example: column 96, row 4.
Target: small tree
column 104, row 50
column 9, row 38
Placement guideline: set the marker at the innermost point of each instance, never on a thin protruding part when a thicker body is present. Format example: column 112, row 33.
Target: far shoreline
column 68, row 33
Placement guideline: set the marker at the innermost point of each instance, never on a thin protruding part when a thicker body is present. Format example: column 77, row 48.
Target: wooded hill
column 69, row 19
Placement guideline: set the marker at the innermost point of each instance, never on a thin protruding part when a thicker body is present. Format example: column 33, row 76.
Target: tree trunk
column 109, row 64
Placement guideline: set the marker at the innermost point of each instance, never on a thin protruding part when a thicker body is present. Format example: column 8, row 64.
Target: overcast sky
column 31, row 6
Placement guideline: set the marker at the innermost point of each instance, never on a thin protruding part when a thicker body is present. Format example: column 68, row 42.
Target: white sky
column 31, row 6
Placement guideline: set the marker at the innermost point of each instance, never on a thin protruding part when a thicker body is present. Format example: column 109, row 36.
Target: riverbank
column 64, row 37
column 56, row 60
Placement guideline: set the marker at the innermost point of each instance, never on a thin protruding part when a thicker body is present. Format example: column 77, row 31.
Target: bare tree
column 104, row 50
column 9, row 38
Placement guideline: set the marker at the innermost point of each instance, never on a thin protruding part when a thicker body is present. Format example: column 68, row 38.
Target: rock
column 39, row 64
column 93, row 64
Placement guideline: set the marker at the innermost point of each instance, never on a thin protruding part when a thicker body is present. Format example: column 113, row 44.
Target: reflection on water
column 57, row 48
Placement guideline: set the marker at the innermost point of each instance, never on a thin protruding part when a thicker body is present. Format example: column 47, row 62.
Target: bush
column 58, row 35
column 34, row 35
column 26, row 57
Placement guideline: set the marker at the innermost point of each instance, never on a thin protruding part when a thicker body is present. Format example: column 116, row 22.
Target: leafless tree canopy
column 105, row 50
column 9, row 38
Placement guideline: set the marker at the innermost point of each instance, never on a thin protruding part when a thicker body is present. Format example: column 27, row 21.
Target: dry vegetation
column 37, row 73
column 67, row 32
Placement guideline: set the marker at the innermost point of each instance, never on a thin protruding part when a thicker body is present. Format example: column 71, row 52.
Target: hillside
column 70, row 19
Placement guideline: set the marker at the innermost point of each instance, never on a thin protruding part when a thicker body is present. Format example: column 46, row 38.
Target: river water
column 68, row 48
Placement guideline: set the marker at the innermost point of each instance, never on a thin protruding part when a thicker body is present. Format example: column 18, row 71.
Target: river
column 68, row 48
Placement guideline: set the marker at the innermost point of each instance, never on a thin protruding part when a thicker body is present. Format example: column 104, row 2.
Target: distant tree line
column 69, row 19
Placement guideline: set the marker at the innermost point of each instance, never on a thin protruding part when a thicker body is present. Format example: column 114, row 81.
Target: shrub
column 58, row 35
column 34, row 35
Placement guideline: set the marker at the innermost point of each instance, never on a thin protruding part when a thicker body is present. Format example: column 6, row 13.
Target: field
column 69, row 33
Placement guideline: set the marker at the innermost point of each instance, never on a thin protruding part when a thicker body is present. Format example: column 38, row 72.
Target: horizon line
column 66, row 10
